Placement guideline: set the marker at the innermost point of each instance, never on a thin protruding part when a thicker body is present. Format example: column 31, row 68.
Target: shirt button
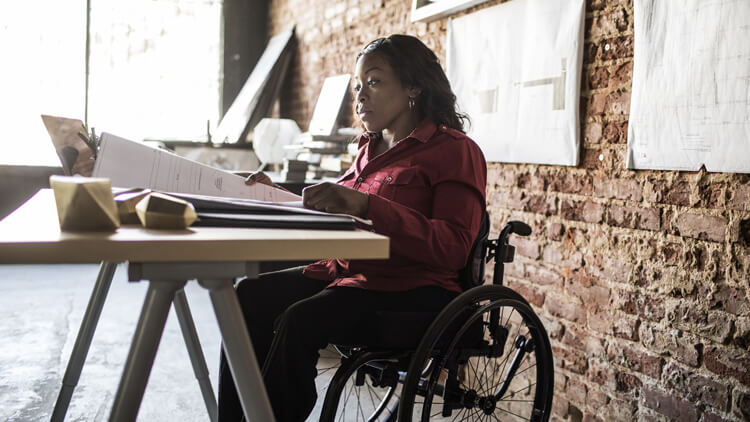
column 389, row 178
column 360, row 179
column 443, row 128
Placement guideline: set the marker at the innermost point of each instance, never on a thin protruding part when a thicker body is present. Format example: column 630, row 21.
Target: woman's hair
column 416, row 66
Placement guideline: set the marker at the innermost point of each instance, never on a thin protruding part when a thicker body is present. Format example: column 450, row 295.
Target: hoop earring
column 412, row 103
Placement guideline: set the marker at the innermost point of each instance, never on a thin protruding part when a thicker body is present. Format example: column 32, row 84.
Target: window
column 154, row 70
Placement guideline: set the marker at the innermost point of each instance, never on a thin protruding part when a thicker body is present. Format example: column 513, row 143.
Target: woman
column 420, row 180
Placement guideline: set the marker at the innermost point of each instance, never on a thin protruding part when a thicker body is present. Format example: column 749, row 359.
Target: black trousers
column 304, row 315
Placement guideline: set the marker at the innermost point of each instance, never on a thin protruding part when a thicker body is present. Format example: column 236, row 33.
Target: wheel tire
column 346, row 401
column 452, row 340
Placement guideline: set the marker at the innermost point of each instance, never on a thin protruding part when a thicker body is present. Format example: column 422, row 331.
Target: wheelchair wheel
column 365, row 387
column 491, row 360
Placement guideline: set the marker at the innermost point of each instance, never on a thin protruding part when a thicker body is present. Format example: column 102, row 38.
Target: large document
column 690, row 104
column 516, row 71
column 130, row 164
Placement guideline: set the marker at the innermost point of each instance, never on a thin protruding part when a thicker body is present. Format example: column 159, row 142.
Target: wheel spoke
column 512, row 393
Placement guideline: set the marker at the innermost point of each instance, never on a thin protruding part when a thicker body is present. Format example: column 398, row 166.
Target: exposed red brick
column 626, row 382
column 712, row 195
column 728, row 362
column 709, row 416
column 616, row 132
column 560, row 405
column 740, row 198
column 530, row 182
column 703, row 227
column 593, row 159
column 609, row 23
column 570, row 183
column 677, row 193
column 668, row 405
column 543, row 276
column 531, row 294
column 628, row 189
column 618, row 103
column 671, row 342
column 526, row 247
column 600, row 372
column 514, row 269
column 697, row 387
column 600, row 322
column 563, row 308
column 619, row 410
column 555, row 231
column 570, row 359
column 556, row 255
column 641, row 305
column 587, row 211
column 541, row 204
column 599, row 78
column 626, row 328
column 634, row 217
column 731, row 299
column 622, row 74
column 715, row 325
column 510, row 200
column 499, row 176
column 636, row 360
column 576, row 391
column 613, row 48
column 593, row 133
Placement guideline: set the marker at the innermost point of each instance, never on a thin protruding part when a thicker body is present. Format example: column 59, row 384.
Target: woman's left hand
column 333, row 198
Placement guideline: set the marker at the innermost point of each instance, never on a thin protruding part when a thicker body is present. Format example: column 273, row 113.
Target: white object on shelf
column 270, row 136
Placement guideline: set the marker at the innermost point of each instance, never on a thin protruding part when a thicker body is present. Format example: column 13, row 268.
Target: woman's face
column 382, row 102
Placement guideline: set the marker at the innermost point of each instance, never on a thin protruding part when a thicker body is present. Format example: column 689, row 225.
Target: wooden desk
column 168, row 259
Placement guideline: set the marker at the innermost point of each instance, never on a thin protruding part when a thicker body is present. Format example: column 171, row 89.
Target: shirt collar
column 422, row 133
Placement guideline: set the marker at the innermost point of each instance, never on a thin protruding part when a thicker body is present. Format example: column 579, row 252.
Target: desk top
column 31, row 235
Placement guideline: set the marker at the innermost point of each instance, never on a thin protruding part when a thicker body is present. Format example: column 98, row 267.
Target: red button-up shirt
column 427, row 194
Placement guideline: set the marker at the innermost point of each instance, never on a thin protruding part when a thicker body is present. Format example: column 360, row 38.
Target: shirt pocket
column 405, row 186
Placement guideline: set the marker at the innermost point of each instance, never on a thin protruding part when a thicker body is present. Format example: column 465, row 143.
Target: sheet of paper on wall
column 516, row 71
column 327, row 109
column 260, row 88
column 131, row 164
column 690, row 103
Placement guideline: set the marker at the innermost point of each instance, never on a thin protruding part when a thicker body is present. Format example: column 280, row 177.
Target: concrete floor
column 41, row 308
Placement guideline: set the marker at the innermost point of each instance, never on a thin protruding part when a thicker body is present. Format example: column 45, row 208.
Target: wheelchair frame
column 449, row 343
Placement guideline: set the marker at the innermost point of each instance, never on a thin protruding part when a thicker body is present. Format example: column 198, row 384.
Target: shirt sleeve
column 444, row 239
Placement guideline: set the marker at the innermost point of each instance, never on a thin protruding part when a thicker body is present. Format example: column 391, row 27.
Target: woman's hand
column 330, row 197
column 257, row 177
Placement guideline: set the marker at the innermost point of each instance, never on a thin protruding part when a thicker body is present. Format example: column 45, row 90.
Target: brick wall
column 641, row 277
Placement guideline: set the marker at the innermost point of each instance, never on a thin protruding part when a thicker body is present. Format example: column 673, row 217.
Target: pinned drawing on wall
column 430, row 10
column 690, row 103
column 516, row 71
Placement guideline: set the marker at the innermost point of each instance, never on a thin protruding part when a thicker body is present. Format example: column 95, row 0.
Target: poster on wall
column 690, row 103
column 516, row 71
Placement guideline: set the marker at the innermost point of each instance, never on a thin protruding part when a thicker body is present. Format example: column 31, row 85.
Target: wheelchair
column 485, row 356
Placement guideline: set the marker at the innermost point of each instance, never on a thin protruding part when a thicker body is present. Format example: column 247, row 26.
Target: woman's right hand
column 257, row 177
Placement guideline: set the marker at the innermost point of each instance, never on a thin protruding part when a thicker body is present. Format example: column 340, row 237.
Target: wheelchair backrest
column 472, row 274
